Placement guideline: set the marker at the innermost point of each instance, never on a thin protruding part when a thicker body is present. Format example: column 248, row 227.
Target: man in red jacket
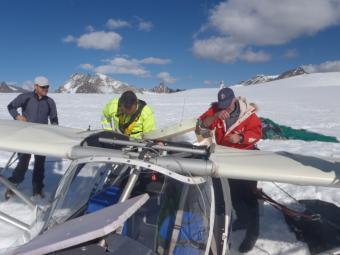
column 236, row 125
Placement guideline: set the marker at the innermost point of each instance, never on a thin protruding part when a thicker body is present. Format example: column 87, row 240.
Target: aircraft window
column 174, row 220
column 87, row 179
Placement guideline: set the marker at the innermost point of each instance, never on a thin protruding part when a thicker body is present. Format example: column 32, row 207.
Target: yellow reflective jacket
column 112, row 118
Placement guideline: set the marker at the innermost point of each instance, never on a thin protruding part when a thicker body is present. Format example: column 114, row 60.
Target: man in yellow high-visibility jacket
column 128, row 115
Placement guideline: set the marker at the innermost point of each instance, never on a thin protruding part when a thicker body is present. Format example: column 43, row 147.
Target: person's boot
column 248, row 243
column 252, row 231
column 8, row 194
column 38, row 191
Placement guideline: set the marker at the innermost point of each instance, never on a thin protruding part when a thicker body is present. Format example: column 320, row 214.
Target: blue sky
column 186, row 44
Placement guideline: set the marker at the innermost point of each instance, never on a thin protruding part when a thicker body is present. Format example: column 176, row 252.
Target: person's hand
column 223, row 115
column 235, row 138
column 21, row 118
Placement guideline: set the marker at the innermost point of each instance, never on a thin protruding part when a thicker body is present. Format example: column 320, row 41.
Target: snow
column 307, row 101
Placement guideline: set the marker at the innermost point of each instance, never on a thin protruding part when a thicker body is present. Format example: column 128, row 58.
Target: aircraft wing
column 173, row 130
column 276, row 166
column 83, row 229
column 59, row 141
column 48, row 140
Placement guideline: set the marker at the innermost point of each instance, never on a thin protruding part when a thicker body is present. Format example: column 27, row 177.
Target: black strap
column 140, row 106
column 284, row 209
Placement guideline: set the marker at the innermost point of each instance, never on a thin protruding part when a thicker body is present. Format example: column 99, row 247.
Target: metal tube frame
column 129, row 185
column 15, row 222
column 157, row 147
column 64, row 183
column 9, row 162
column 22, row 196
column 146, row 165
column 11, row 220
column 4, row 216
column 116, row 158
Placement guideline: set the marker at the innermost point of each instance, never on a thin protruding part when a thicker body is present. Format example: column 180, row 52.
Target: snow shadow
column 275, row 237
column 309, row 237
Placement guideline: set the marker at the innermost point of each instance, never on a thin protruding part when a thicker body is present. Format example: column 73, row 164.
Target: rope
column 312, row 217
column 289, row 195
column 283, row 208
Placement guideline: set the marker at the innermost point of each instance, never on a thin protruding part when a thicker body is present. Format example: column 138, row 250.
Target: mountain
column 162, row 88
column 267, row 78
column 6, row 88
column 291, row 73
column 96, row 84
column 260, row 78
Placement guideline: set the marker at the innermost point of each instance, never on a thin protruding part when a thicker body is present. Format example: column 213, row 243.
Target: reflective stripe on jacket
column 142, row 124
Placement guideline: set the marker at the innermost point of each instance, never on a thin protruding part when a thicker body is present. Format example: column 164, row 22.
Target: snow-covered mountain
column 97, row 84
column 261, row 78
column 6, row 88
column 291, row 73
column 162, row 88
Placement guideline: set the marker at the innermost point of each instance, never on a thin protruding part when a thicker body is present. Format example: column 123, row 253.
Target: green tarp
column 272, row 130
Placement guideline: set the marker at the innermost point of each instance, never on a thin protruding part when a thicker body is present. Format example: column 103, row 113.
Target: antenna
column 182, row 115
column 222, row 84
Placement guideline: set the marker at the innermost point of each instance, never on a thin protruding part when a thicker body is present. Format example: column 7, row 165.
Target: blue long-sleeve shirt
column 34, row 109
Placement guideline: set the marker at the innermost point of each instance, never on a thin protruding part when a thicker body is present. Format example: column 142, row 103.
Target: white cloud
column 89, row 28
column 145, row 26
column 267, row 22
column 208, row 82
column 121, row 65
column 251, row 56
column 126, row 65
column 28, row 85
column 69, row 38
column 260, row 23
column 87, row 66
column 99, row 40
column 329, row 66
column 155, row 61
column 290, row 53
column 221, row 49
column 166, row 77
column 117, row 23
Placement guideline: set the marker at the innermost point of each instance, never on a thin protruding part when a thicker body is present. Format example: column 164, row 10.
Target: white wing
column 173, row 130
column 24, row 137
column 59, row 141
column 276, row 166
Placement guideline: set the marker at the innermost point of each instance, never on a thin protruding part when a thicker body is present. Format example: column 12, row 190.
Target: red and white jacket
column 248, row 125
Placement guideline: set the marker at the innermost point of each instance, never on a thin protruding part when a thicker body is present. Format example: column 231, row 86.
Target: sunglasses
column 44, row 87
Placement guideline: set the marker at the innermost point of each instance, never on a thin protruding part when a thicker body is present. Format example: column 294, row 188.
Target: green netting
column 272, row 130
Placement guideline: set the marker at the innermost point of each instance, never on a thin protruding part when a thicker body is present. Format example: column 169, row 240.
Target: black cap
column 127, row 99
column 225, row 97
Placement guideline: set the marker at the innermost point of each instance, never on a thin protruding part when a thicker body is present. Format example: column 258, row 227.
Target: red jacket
column 248, row 125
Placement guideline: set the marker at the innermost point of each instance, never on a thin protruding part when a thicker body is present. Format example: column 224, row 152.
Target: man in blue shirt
column 36, row 107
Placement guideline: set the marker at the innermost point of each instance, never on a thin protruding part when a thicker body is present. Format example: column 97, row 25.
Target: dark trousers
column 21, row 169
column 245, row 203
